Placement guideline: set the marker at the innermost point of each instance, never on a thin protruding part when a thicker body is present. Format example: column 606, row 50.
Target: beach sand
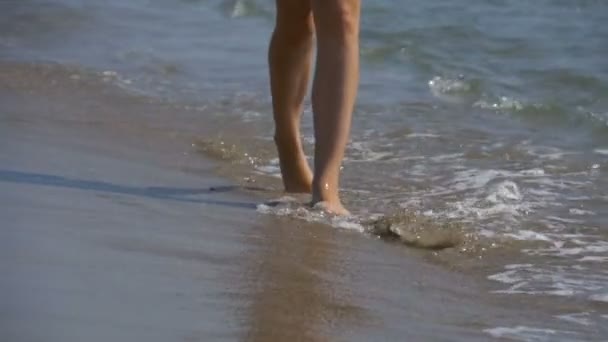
column 114, row 229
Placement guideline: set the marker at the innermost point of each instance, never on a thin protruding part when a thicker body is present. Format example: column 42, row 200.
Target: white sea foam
column 528, row 235
column 518, row 266
column 361, row 151
column 277, row 206
column 556, row 280
column 543, row 152
column 309, row 139
column 532, row 172
column 521, row 333
column 251, row 115
column 115, row 78
column 589, row 258
column 576, row 211
column 446, row 157
column 472, row 210
column 475, row 178
column 582, row 318
column 291, row 207
column 446, row 85
column 239, row 9
column 423, row 135
column 504, row 192
column 484, row 201
column 602, row 297
column 271, row 168
column 565, row 220
column 594, row 250
column 346, row 223
column 508, row 277
column 503, row 103
column 603, row 151
column 109, row 73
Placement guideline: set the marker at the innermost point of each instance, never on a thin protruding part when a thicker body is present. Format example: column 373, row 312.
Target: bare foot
column 333, row 207
column 296, row 174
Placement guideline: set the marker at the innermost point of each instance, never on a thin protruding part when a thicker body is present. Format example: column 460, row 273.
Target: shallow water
column 113, row 227
column 489, row 116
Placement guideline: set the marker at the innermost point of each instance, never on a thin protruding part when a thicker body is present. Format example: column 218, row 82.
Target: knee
column 337, row 18
column 294, row 30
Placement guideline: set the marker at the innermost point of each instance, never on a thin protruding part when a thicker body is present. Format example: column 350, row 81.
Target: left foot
column 328, row 199
column 296, row 174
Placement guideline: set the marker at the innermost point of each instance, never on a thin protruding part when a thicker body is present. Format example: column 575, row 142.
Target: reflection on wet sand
column 294, row 284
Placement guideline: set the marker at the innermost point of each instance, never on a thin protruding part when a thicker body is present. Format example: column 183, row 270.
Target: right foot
column 335, row 208
column 328, row 201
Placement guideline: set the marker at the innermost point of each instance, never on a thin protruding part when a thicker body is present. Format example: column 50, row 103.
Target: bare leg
column 290, row 57
column 334, row 91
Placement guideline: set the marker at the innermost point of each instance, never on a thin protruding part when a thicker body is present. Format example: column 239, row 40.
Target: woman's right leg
column 334, row 92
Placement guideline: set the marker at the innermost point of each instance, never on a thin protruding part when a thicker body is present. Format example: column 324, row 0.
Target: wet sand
column 112, row 228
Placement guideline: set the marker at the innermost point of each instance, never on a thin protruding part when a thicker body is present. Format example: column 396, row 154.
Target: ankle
column 323, row 191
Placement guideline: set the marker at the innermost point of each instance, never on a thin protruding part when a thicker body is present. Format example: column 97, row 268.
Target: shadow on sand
column 156, row 192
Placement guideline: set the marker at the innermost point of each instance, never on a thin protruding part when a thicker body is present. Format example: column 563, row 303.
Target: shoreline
column 111, row 231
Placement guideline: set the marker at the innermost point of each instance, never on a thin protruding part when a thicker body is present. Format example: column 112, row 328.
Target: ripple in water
column 411, row 229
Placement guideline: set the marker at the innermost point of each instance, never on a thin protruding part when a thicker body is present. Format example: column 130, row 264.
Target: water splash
column 291, row 207
column 502, row 103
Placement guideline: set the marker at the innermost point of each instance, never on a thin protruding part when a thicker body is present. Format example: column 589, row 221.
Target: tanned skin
column 335, row 23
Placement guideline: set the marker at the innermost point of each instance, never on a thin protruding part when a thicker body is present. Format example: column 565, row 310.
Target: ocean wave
column 244, row 8
column 523, row 333
column 602, row 297
column 502, row 103
column 561, row 278
column 446, row 86
column 412, row 229
column 552, row 114
column 581, row 318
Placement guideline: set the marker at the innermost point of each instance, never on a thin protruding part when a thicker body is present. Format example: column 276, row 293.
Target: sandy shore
column 105, row 224
column 113, row 230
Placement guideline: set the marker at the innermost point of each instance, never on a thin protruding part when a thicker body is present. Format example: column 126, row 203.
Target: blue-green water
column 491, row 114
